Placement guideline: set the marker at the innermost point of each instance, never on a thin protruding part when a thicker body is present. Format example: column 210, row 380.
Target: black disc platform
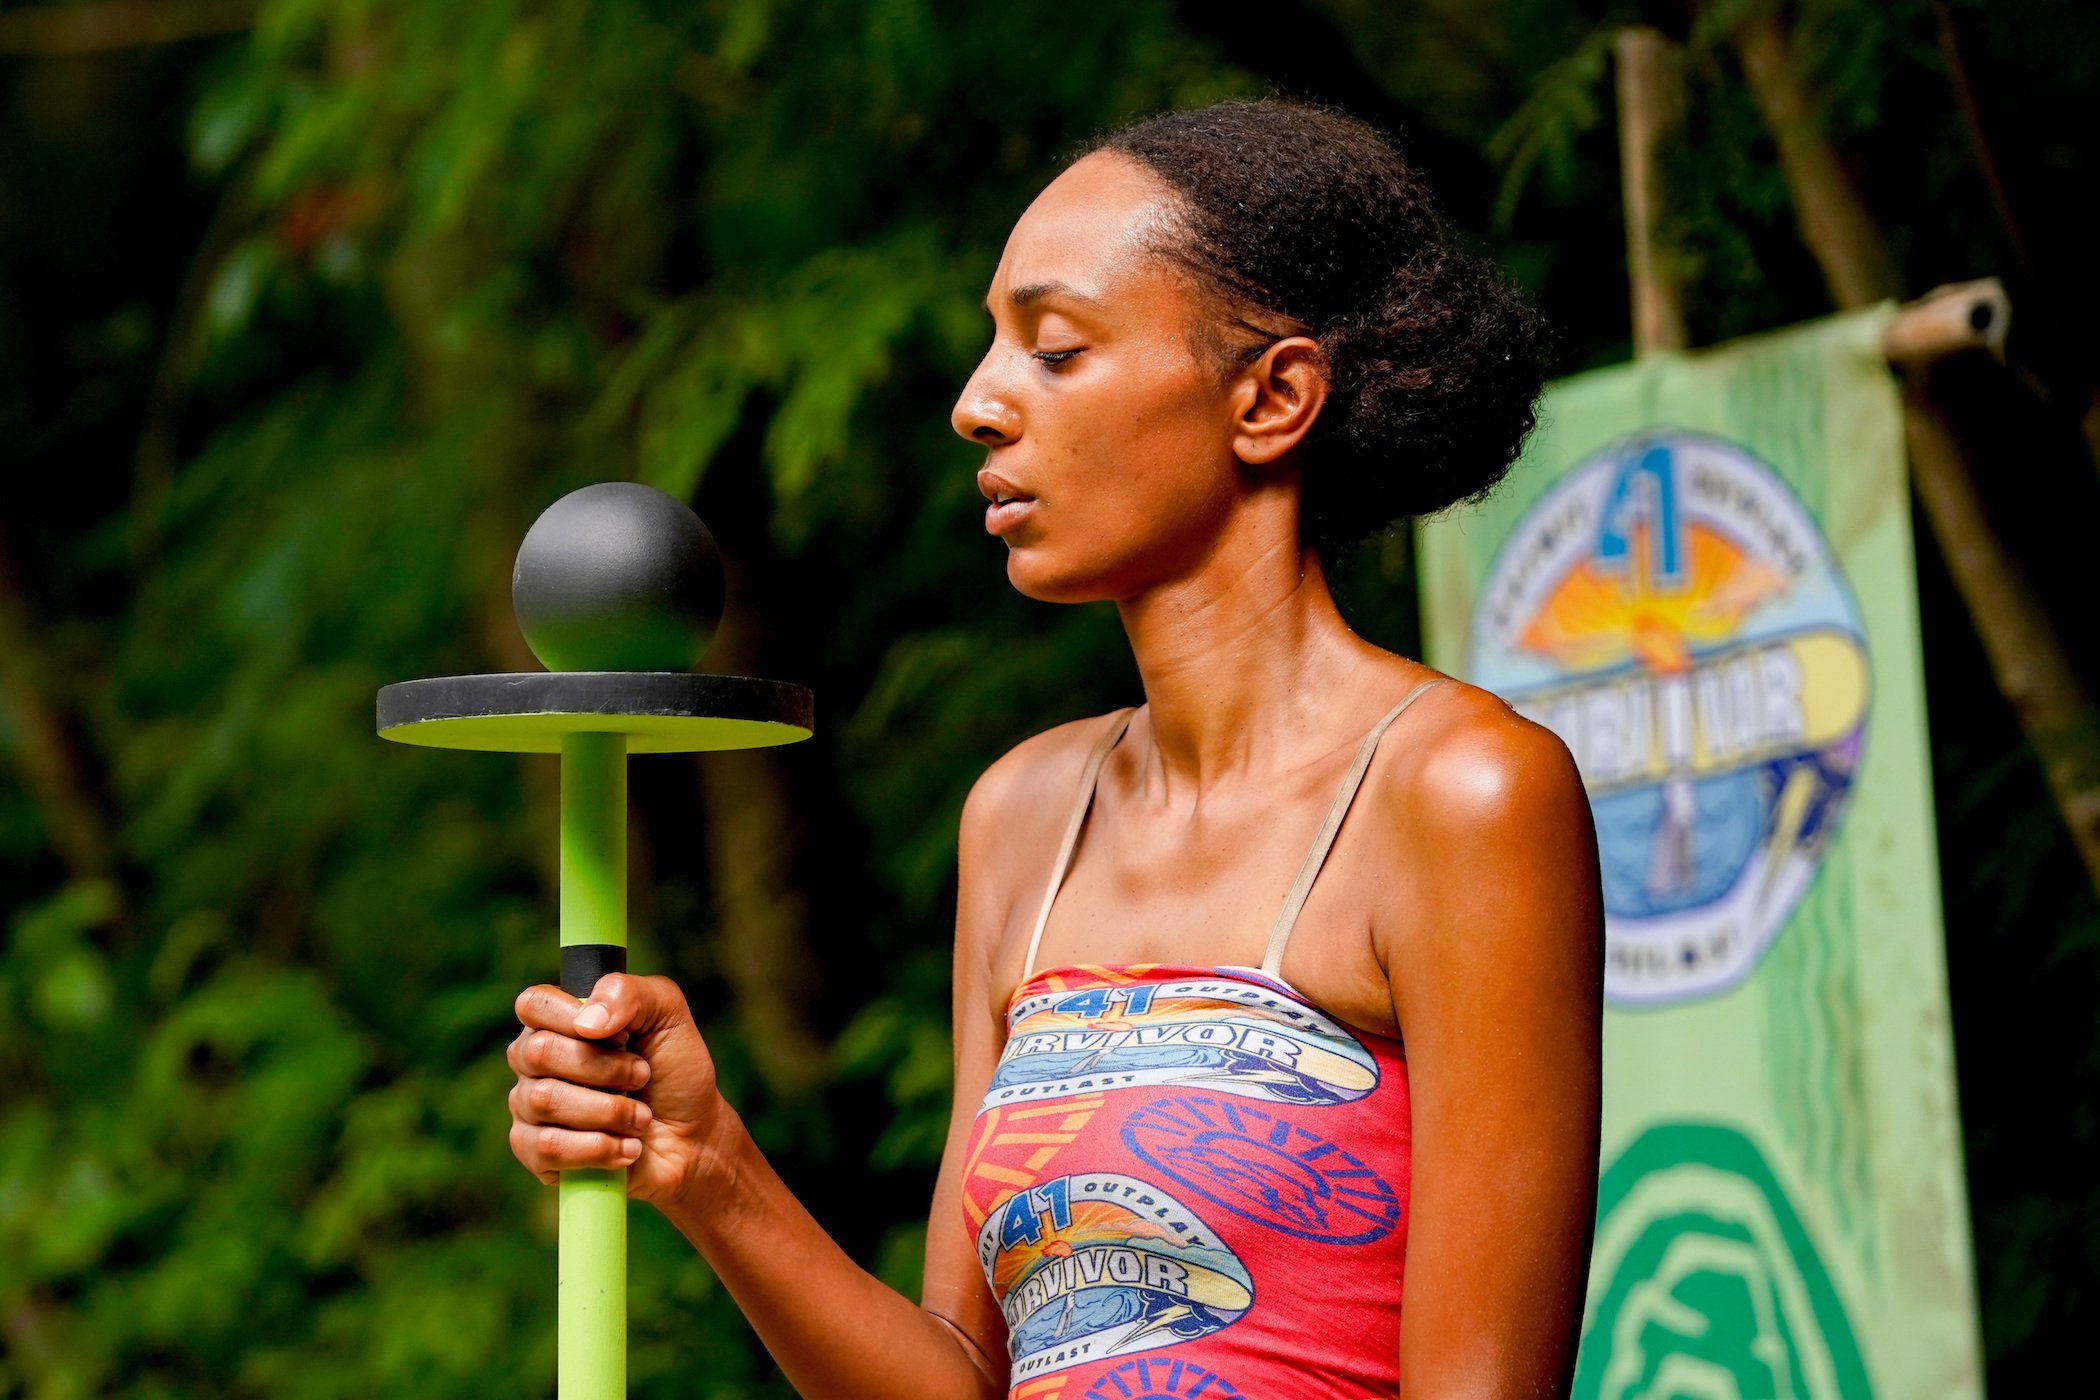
column 658, row 711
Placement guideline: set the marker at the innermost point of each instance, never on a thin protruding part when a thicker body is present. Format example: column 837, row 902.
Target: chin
column 1049, row 580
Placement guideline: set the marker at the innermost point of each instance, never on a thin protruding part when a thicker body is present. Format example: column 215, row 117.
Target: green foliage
column 466, row 257
column 1566, row 102
column 254, row 1139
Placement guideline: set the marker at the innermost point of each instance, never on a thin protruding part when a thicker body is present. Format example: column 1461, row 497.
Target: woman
column 1182, row 1163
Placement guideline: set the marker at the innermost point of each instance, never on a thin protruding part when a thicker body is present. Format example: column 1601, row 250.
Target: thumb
column 622, row 1001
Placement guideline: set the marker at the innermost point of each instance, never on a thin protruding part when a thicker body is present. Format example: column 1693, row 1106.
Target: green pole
column 617, row 588
column 592, row 1291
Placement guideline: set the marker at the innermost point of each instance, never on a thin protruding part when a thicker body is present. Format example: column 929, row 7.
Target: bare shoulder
column 1032, row 784
column 1011, row 824
column 1473, row 759
column 1483, row 821
column 1495, row 908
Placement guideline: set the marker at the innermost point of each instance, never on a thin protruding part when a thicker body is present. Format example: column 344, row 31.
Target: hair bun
column 1434, row 389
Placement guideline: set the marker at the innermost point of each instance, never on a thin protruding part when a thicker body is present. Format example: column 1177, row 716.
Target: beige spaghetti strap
column 1084, row 800
column 1272, row 961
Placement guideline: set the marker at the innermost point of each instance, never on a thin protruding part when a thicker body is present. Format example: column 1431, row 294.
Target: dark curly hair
column 1297, row 219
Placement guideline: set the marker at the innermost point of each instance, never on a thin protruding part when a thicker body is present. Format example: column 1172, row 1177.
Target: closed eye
column 1054, row 358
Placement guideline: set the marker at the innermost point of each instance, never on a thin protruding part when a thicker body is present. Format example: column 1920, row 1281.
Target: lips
column 999, row 489
column 1004, row 518
column 1010, row 505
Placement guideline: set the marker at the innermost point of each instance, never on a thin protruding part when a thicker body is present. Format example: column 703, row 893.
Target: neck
column 1241, row 660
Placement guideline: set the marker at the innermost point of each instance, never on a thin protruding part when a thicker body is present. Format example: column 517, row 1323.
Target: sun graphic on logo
column 1603, row 611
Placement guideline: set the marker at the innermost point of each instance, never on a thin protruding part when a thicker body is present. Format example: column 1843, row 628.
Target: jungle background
column 308, row 307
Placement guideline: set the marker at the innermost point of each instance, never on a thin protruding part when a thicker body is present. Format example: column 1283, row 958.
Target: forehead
column 1095, row 229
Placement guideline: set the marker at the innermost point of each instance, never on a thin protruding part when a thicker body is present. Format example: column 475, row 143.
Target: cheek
column 1150, row 440
column 1139, row 472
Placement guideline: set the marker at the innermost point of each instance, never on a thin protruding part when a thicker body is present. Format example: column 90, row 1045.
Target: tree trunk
column 1650, row 88
column 762, row 918
column 47, row 749
column 1841, row 235
column 2027, row 658
column 2028, row 662
column 104, row 25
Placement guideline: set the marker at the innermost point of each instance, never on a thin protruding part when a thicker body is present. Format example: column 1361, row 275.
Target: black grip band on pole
column 582, row 964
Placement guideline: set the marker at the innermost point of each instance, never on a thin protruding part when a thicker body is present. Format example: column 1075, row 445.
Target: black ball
column 618, row 577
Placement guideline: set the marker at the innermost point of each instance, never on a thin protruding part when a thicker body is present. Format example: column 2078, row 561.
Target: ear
column 1277, row 399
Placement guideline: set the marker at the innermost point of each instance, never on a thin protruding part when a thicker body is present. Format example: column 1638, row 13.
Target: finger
column 624, row 1002
column 572, row 1106
column 545, row 1148
column 552, row 1055
column 547, row 1007
column 521, row 1147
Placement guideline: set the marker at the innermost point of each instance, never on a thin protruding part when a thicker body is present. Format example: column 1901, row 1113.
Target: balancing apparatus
column 618, row 589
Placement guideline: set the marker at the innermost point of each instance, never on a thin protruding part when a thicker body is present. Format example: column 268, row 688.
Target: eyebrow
column 1026, row 296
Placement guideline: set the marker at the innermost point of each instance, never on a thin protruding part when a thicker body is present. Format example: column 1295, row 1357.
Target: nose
column 983, row 414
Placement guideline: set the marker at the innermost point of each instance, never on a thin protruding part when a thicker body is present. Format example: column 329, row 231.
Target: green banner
column 1700, row 577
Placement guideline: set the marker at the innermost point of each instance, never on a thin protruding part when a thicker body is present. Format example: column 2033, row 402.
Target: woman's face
column 1093, row 407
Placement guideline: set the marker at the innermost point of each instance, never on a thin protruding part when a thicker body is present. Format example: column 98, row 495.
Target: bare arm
column 1498, row 987
column 836, row 1331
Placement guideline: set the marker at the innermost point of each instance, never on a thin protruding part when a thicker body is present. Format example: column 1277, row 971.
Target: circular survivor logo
column 1098, row 1265
column 1671, row 610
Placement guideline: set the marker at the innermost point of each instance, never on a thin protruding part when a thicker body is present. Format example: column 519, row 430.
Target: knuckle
column 539, row 1048
column 543, row 1095
column 548, row 1141
column 668, row 991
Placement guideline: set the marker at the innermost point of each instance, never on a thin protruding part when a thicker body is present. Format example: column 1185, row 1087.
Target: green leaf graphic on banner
column 1704, row 1283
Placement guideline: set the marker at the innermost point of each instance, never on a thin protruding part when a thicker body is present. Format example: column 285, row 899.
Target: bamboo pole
column 2027, row 659
column 1837, row 228
column 1947, row 320
column 1650, row 89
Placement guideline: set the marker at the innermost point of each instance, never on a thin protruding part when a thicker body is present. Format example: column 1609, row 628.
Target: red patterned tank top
column 1186, row 1180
